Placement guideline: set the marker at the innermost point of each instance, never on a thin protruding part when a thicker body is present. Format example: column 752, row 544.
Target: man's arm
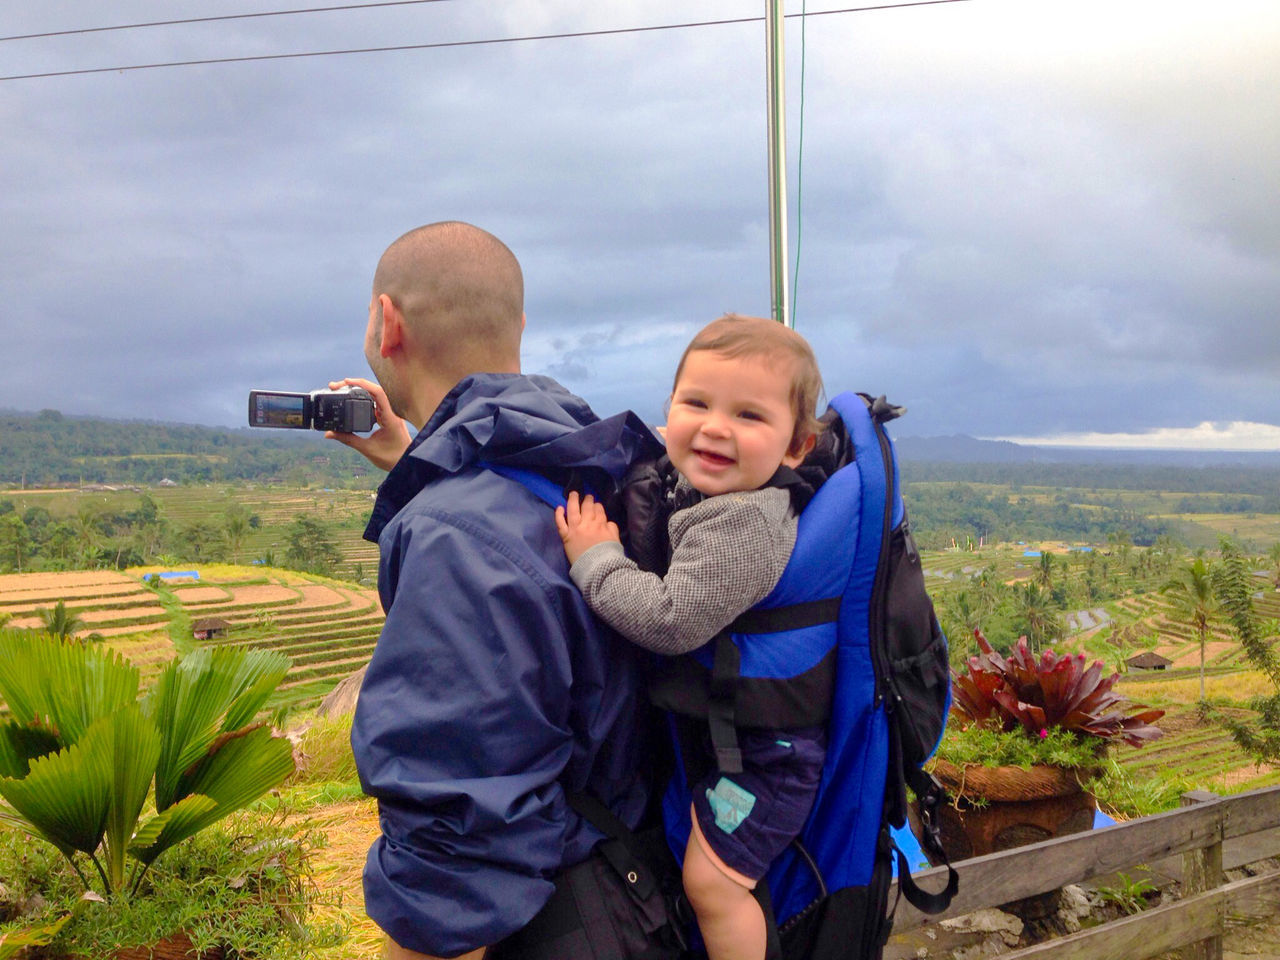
column 461, row 732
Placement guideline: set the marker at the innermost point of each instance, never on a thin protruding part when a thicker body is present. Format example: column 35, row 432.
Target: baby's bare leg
column 729, row 917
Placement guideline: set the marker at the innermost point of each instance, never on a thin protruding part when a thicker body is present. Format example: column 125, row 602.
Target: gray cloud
column 1016, row 218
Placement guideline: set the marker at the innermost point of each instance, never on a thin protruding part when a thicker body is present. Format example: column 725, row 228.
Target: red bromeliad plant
column 1047, row 693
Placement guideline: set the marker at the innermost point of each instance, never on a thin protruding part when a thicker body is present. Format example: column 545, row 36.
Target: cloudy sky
column 1019, row 218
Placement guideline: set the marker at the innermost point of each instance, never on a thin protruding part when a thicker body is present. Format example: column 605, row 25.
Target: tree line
column 941, row 513
column 1253, row 488
column 97, row 538
column 49, row 449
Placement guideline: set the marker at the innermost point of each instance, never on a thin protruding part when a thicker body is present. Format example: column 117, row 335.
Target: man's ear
column 392, row 325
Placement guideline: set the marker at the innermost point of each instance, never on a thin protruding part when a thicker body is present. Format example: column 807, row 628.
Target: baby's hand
column 582, row 525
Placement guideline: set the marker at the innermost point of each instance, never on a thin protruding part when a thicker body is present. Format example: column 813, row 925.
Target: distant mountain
column 960, row 448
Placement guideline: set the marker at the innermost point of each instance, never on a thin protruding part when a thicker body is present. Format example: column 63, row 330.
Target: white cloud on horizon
column 1236, row 435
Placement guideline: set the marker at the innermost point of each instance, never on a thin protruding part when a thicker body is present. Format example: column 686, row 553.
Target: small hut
column 210, row 628
column 1148, row 660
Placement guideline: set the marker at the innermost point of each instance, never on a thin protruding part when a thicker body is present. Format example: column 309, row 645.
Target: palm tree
column 988, row 585
column 148, row 538
column 85, row 527
column 1044, row 573
column 1123, row 544
column 1274, row 556
column 1036, row 608
column 235, row 528
column 1191, row 590
column 59, row 621
column 962, row 616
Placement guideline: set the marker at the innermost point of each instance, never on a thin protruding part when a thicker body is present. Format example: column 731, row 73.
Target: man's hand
column 387, row 444
column 582, row 525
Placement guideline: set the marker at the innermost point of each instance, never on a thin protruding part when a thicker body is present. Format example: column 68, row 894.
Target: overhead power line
column 465, row 43
column 228, row 16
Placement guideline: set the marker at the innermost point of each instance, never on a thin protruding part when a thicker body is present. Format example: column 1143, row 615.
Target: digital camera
column 349, row 410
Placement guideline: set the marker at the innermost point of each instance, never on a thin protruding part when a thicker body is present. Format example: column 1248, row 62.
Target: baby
column 742, row 408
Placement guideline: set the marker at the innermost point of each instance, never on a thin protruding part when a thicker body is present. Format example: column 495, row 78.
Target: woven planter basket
column 1017, row 807
column 1010, row 783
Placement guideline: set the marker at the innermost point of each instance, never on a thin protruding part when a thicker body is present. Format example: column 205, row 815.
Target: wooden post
column 1201, row 872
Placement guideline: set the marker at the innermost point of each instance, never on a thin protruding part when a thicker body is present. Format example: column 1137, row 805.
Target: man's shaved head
column 461, row 292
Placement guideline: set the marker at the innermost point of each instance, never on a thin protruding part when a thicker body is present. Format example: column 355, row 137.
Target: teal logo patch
column 730, row 804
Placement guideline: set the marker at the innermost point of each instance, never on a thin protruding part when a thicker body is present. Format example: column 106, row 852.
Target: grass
column 1126, row 796
column 325, row 748
column 246, row 885
column 1232, row 688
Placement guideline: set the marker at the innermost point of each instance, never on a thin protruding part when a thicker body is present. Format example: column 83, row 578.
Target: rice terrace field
column 326, row 627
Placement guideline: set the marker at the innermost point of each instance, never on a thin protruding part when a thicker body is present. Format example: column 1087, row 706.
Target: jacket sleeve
column 728, row 552
column 461, row 729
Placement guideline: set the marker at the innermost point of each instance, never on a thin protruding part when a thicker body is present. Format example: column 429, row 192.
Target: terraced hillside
column 1198, row 752
column 327, row 627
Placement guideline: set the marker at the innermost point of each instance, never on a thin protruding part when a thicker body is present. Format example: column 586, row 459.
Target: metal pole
column 775, row 57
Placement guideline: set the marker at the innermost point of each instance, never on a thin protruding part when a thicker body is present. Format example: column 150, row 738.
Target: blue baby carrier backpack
column 847, row 638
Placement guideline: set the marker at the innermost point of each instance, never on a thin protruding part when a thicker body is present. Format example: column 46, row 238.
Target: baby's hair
column 735, row 335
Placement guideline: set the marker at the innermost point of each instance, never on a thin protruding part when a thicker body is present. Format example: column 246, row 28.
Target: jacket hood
column 518, row 421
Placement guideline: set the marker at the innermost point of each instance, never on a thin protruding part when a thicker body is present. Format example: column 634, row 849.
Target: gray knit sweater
column 727, row 553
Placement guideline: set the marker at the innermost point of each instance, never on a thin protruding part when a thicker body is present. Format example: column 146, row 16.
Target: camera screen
column 278, row 410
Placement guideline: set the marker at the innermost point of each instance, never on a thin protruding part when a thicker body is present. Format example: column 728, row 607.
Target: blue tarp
column 174, row 575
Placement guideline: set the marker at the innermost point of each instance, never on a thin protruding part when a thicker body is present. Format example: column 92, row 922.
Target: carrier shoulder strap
column 542, row 487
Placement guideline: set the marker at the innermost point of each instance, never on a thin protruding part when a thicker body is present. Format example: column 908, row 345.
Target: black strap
column 773, row 943
column 929, row 796
column 918, row 897
column 622, row 848
column 722, row 706
column 791, row 617
column 598, row 814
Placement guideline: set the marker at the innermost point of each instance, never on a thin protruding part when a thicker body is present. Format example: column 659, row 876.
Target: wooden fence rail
column 1191, row 844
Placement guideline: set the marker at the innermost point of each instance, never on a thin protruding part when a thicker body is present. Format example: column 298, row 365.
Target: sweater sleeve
column 728, row 552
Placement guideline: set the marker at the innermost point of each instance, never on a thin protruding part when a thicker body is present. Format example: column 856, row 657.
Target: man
column 492, row 690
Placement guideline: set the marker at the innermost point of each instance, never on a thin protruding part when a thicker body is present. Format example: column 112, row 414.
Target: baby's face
column 730, row 422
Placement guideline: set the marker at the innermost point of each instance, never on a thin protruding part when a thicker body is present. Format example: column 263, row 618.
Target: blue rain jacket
column 492, row 689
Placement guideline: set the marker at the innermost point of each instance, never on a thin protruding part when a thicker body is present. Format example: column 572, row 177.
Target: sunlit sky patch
column 1239, row 436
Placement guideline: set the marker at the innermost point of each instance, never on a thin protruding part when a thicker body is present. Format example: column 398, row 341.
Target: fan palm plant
column 80, row 753
column 60, row 622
